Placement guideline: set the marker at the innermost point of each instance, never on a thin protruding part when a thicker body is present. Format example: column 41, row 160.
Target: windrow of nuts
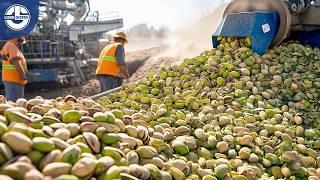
column 226, row 114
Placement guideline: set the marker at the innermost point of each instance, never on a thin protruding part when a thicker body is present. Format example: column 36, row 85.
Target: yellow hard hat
column 121, row 35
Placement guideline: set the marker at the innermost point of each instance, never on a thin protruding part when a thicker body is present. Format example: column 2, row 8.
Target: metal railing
column 97, row 96
column 37, row 49
column 45, row 49
column 96, row 16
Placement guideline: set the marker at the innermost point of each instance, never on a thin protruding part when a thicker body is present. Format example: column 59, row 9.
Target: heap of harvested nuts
column 225, row 114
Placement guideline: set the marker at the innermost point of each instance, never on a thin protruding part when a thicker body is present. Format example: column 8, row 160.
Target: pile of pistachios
column 225, row 114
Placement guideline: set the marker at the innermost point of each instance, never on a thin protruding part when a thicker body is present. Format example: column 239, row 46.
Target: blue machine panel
column 262, row 27
column 42, row 75
column 39, row 75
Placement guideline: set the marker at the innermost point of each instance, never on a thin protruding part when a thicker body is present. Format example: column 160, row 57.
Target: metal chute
column 277, row 6
column 269, row 22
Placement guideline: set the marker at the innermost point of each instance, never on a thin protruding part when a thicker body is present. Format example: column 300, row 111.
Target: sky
column 156, row 12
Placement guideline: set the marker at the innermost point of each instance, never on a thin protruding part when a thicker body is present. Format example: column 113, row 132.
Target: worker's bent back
column 108, row 64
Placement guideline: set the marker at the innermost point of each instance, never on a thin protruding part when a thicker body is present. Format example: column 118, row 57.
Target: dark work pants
column 13, row 91
column 108, row 82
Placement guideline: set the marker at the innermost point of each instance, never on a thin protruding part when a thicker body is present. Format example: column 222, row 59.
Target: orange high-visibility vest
column 108, row 64
column 9, row 71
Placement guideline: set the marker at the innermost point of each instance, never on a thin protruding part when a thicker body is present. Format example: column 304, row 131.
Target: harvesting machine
column 58, row 49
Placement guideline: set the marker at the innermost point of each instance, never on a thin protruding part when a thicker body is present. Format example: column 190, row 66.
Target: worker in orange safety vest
column 112, row 65
column 14, row 69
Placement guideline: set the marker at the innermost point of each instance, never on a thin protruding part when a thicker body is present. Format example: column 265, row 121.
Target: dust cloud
column 187, row 41
column 195, row 36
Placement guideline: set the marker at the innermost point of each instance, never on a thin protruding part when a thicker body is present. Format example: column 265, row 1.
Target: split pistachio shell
column 71, row 154
column 51, row 157
column 43, row 144
column 71, row 116
column 93, row 141
column 18, row 142
column 103, row 164
column 84, row 167
column 56, row 169
column 17, row 170
column 33, row 175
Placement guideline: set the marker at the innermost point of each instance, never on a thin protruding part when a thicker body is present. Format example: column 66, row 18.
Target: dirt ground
column 140, row 62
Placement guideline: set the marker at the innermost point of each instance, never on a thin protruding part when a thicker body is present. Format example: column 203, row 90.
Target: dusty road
column 140, row 62
column 142, row 56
